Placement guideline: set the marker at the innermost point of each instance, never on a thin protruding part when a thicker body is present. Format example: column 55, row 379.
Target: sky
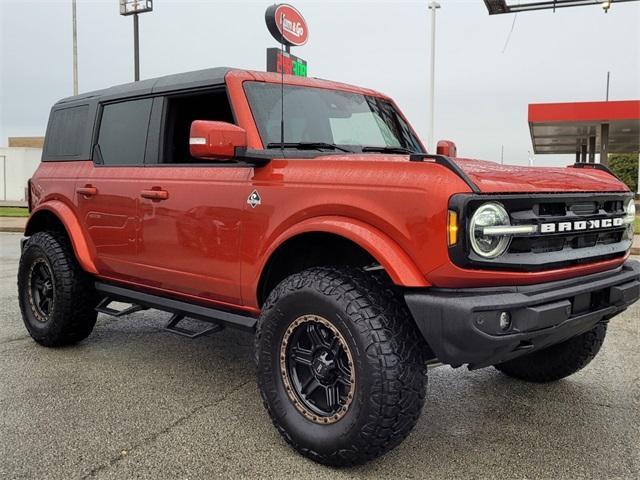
column 485, row 75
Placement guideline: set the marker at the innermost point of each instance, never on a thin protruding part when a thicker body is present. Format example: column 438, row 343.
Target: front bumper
column 462, row 325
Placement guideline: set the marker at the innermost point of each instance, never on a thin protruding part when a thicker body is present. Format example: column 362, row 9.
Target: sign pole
column 136, row 49
column 75, row 47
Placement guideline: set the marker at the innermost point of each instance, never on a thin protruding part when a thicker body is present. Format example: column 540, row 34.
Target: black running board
column 181, row 308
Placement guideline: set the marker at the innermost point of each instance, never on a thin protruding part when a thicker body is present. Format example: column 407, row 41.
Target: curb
column 11, row 230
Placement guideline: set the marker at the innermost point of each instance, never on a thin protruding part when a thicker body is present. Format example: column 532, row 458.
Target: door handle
column 155, row 194
column 87, row 190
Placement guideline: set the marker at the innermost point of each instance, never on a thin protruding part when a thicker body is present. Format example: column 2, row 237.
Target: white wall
column 17, row 165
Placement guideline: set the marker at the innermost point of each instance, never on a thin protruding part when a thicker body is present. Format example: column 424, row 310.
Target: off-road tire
column 558, row 361
column 387, row 351
column 72, row 316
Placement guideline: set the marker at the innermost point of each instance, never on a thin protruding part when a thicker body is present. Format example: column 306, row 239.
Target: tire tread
column 394, row 345
column 75, row 315
column 558, row 361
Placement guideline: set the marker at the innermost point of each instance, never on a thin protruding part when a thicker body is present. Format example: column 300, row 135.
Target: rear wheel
column 57, row 297
column 558, row 361
column 340, row 365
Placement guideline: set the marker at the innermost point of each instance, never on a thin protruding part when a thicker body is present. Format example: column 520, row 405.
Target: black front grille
column 571, row 209
column 557, row 244
column 583, row 208
column 580, row 239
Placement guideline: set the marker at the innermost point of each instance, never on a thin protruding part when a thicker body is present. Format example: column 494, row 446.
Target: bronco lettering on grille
column 580, row 225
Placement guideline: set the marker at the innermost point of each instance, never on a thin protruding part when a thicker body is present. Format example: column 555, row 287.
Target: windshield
column 321, row 117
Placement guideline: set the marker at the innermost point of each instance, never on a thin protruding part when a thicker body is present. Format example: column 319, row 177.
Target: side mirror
column 447, row 148
column 215, row 140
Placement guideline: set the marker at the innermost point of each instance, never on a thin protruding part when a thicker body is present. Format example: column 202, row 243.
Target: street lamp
column 134, row 7
column 433, row 6
column 75, row 46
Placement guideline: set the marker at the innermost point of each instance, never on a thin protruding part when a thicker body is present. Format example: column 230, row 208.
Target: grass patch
column 638, row 224
column 14, row 212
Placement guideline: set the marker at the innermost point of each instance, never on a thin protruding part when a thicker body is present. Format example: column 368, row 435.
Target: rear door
column 108, row 191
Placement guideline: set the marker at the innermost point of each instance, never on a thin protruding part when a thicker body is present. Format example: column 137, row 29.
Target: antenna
column 282, row 83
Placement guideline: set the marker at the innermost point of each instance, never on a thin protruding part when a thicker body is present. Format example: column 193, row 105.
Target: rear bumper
column 463, row 326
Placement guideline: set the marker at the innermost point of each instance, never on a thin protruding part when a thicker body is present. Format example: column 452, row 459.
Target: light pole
column 433, row 6
column 75, row 47
column 134, row 7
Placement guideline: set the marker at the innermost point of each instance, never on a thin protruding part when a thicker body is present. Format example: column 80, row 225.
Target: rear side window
column 67, row 132
column 123, row 132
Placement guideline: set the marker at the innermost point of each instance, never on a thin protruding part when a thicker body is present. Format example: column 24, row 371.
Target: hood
column 491, row 177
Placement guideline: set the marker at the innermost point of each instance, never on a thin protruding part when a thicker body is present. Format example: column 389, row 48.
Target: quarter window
column 123, row 132
column 67, row 132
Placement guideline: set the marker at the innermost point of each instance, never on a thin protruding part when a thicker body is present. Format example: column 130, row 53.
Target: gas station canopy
column 514, row 6
column 585, row 128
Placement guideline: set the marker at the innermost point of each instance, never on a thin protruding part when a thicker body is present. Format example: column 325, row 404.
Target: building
column 18, row 162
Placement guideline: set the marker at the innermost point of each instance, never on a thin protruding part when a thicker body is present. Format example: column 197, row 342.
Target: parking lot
column 133, row 401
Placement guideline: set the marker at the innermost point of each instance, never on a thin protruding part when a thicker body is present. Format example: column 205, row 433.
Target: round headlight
column 489, row 215
column 630, row 218
column 630, row 209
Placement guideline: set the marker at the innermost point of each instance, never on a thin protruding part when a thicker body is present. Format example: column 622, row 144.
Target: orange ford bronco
column 308, row 213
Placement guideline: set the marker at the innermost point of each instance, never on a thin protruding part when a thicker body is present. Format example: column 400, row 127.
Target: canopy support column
column 592, row 149
column 604, row 144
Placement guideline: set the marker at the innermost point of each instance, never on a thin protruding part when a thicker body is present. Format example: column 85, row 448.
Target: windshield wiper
column 388, row 150
column 309, row 146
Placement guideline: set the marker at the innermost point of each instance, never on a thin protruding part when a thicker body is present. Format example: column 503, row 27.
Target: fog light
column 505, row 320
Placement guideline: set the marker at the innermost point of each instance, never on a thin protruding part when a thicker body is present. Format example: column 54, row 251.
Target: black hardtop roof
column 167, row 83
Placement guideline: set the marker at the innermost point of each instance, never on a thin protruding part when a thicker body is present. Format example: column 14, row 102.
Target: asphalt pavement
column 133, row 401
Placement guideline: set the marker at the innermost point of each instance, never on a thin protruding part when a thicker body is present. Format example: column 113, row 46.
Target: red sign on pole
column 287, row 25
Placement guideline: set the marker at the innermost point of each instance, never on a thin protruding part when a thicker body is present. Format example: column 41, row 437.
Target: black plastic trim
column 595, row 166
column 447, row 163
column 462, row 326
column 240, row 321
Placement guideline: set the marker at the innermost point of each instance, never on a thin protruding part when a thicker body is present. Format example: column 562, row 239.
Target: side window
column 67, row 132
column 181, row 111
column 123, row 132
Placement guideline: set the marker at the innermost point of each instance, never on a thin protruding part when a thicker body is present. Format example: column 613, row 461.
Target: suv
column 308, row 213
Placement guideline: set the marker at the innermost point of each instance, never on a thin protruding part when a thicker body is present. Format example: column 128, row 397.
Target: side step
column 103, row 307
column 173, row 327
column 180, row 309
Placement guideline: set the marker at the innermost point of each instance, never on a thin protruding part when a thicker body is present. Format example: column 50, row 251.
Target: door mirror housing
column 209, row 140
column 447, row 148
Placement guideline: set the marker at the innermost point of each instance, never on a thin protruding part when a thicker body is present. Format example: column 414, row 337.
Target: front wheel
column 340, row 365
column 558, row 361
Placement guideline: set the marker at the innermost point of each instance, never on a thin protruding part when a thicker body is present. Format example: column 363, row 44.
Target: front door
column 190, row 232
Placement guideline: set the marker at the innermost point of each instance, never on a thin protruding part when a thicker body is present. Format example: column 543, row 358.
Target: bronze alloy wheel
column 352, row 374
column 41, row 290
column 317, row 369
